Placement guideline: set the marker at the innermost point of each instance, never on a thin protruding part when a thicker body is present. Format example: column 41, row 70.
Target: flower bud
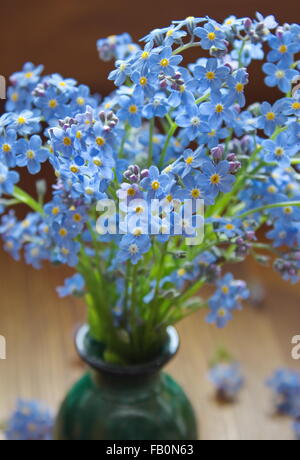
column 217, row 153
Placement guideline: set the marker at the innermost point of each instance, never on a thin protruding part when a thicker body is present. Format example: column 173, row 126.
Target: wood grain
column 41, row 361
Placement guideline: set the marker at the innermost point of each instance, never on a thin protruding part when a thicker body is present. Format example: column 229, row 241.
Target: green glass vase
column 114, row 402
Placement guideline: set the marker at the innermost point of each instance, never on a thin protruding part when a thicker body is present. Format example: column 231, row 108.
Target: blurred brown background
column 38, row 327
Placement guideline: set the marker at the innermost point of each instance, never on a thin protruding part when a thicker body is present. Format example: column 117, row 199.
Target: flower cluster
column 285, row 385
column 30, row 422
column 170, row 134
column 227, row 379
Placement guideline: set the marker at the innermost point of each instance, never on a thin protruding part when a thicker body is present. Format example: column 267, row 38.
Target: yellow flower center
column 55, row 211
column 219, row 108
column 100, row 141
column 215, row 179
column 195, row 193
column 21, row 120
column 239, row 87
column 181, row 272
column 63, row 232
column 229, row 227
column 283, row 49
column 67, row 141
column 139, row 209
column 272, row 189
column 211, row 36
column 270, row 116
column 97, row 162
column 28, row 75
column 164, row 62
column 77, row 218
column 80, row 101
column 210, row 75
column 52, row 104
column 65, row 251
column 280, row 74
column 15, row 97
column 78, row 135
column 155, row 185
column 143, row 81
column 221, row 312
column 74, row 169
column 225, row 289
column 131, row 192
column 296, row 106
column 189, row 160
column 30, row 154
column 133, row 109
column 170, row 33
column 279, row 151
column 288, row 210
column 137, row 231
column 6, row 148
column 145, row 55
column 212, row 133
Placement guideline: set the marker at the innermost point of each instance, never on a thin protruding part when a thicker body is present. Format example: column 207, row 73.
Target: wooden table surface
column 41, row 361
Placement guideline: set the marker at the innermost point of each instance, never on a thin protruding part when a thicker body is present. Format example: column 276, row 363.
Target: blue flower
column 236, row 85
column 218, row 315
column 211, row 76
column 291, row 106
column 296, row 427
column 285, row 384
column 131, row 110
column 7, row 148
column 25, row 123
column 73, row 286
column 192, row 160
column 52, row 103
column 216, row 178
column 7, row 180
column 192, row 120
column 227, row 298
column 227, row 379
column 218, row 110
column 283, row 47
column 165, row 61
column 279, row 75
column 271, row 117
column 247, row 51
column 155, row 183
column 28, row 77
column 31, row 154
column 156, row 107
column 279, row 150
column 31, row 421
column 210, row 37
column 132, row 247
column 120, row 74
column 194, row 192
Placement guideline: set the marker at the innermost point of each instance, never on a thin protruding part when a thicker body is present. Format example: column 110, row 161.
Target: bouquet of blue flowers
column 164, row 181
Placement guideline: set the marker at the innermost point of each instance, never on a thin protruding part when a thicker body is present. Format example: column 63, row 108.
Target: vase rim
column 168, row 352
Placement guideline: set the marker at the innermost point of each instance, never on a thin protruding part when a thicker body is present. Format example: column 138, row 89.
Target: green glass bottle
column 137, row 402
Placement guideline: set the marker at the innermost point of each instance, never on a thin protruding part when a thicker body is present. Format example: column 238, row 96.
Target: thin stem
column 286, row 204
column 186, row 47
column 165, row 148
column 150, row 152
column 23, row 197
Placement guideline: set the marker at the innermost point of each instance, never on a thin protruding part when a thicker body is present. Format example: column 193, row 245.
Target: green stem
column 269, row 206
column 186, row 47
column 25, row 198
column 165, row 148
column 151, row 131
